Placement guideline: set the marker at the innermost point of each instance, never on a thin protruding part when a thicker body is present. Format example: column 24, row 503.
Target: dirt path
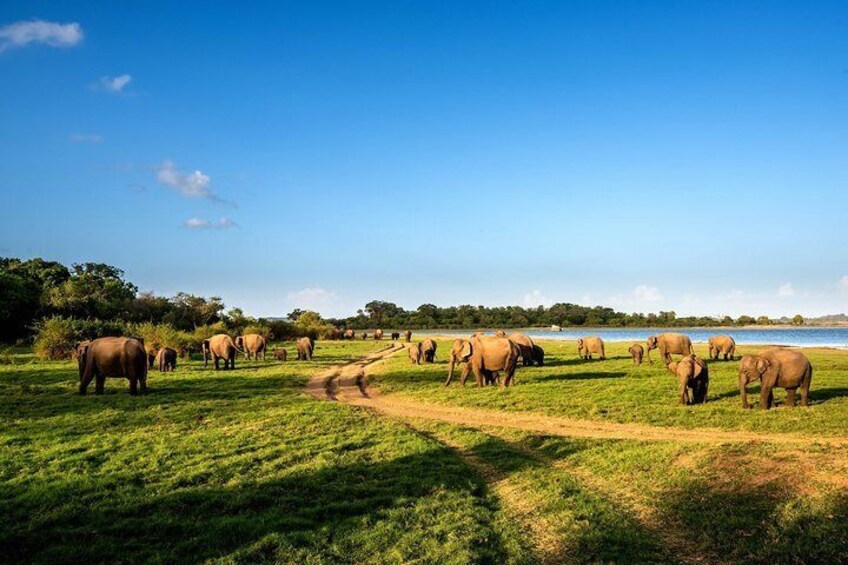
column 347, row 383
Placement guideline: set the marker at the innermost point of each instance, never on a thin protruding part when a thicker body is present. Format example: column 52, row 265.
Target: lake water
column 801, row 337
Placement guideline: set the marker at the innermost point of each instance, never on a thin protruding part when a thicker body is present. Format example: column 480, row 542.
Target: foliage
column 798, row 320
column 57, row 337
column 156, row 336
column 311, row 324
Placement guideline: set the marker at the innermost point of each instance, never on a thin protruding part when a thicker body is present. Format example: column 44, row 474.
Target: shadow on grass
column 328, row 514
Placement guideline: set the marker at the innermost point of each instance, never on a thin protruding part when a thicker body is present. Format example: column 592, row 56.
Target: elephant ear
column 466, row 350
column 762, row 365
column 697, row 368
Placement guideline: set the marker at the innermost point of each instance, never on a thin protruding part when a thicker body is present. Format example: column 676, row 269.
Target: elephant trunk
column 450, row 369
column 205, row 355
column 743, row 391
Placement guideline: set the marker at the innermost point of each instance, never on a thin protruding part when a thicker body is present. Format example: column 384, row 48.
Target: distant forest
column 91, row 299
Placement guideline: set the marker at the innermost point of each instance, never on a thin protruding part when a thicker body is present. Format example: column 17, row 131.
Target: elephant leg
column 805, row 393
column 85, row 381
column 765, row 397
column 790, row 396
column 99, row 384
column 142, row 381
column 133, row 386
column 463, row 376
column 683, row 393
column 216, row 360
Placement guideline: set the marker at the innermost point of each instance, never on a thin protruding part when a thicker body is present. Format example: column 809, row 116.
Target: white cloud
column 536, row 298
column 645, row 293
column 786, row 290
column 85, row 138
column 199, row 224
column 313, row 298
column 113, row 84
column 20, row 34
column 193, row 185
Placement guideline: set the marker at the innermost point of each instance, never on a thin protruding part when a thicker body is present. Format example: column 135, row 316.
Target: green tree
column 798, row 320
column 94, row 290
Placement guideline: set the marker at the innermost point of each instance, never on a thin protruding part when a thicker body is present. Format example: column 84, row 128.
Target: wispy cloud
column 114, row 84
column 21, row 34
column 786, row 290
column 199, row 224
column 85, row 138
column 314, row 298
column 193, row 185
column 536, row 298
column 646, row 293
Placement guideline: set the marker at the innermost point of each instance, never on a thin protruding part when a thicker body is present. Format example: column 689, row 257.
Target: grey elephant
column 220, row 346
column 587, row 346
column 428, row 350
column 538, row 355
column 120, row 357
column 253, row 346
column 669, row 343
column 280, row 354
column 305, row 347
column 486, row 357
column 693, row 378
column 784, row 368
column 722, row 345
column 166, row 360
column 636, row 352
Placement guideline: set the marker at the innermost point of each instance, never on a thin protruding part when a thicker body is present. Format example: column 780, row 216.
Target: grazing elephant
column 220, row 346
column 538, row 355
column 408, row 334
column 252, row 344
column 123, row 357
column 166, row 360
column 692, row 374
column 415, row 354
column 364, row 335
column 151, row 358
column 586, row 346
column 784, row 368
column 378, row 334
column 722, row 345
column 280, row 354
column 636, row 352
column 525, row 345
column 349, row 334
column 486, row 357
column 395, row 336
column 669, row 343
column 305, row 346
column 428, row 350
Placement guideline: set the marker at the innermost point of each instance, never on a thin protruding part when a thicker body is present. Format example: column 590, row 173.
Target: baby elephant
column 166, row 360
column 692, row 374
column 280, row 354
column 636, row 352
column 538, row 355
column 782, row 368
column 589, row 345
column 395, row 336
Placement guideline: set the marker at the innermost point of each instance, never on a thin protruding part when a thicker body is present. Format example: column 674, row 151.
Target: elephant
column 525, row 345
column 499, row 333
column 776, row 367
column 428, row 350
column 280, row 354
column 408, row 334
column 305, row 347
column 414, row 352
column 586, row 346
column 186, row 351
column 378, row 334
column 692, row 374
column 364, row 335
column 395, row 336
column 669, row 343
column 220, row 346
column 538, row 355
column 486, row 357
column 252, row 344
column 636, row 352
column 166, row 360
column 123, row 357
column 349, row 334
column 722, row 345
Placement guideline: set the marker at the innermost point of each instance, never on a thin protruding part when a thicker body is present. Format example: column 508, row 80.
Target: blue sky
column 686, row 156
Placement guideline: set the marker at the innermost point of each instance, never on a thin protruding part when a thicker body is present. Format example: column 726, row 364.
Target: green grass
column 244, row 467
column 619, row 391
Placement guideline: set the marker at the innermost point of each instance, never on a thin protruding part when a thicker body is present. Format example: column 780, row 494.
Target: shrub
column 260, row 329
column 57, row 337
column 156, row 336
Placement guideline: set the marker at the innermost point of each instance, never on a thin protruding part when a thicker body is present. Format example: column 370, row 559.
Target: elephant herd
column 127, row 357
column 489, row 356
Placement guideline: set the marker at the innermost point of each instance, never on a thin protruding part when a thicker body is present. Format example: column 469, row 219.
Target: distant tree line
column 60, row 304
column 380, row 314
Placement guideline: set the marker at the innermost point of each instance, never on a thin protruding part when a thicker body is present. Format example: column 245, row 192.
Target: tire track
column 347, row 383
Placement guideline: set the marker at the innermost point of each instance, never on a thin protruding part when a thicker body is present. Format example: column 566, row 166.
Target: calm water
column 803, row 337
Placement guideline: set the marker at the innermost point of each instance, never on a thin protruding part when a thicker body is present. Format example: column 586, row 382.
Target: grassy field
column 242, row 466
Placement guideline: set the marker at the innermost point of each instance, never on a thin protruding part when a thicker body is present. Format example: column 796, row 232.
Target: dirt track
column 347, row 383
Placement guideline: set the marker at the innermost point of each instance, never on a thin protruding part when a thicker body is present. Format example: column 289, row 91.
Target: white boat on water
column 556, row 328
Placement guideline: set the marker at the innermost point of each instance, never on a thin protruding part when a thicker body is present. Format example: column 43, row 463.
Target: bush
column 57, row 337
column 156, row 336
column 205, row 332
column 260, row 329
